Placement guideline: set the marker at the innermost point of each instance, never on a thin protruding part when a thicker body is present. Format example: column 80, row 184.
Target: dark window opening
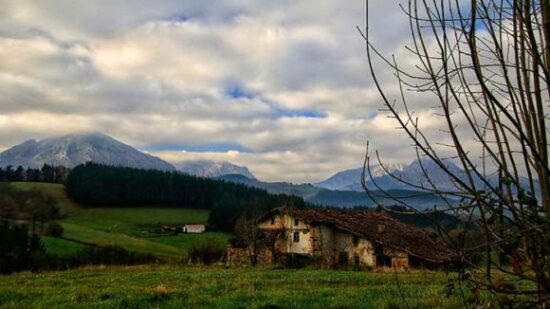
column 343, row 258
column 378, row 250
column 296, row 221
column 383, row 261
column 296, row 236
column 355, row 241
column 273, row 221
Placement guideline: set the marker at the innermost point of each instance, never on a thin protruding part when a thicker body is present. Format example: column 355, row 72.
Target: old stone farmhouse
column 338, row 238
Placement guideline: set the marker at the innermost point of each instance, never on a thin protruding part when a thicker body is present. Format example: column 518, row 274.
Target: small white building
column 193, row 228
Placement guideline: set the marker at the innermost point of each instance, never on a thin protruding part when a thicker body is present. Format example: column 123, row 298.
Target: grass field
column 217, row 287
column 126, row 227
column 61, row 247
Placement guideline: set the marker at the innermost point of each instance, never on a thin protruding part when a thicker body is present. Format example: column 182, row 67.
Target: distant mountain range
column 396, row 177
column 343, row 189
column 206, row 168
column 340, row 198
column 75, row 149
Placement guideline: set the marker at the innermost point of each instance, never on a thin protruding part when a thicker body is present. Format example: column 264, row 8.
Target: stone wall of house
column 323, row 245
column 291, row 226
column 400, row 260
column 337, row 248
column 242, row 256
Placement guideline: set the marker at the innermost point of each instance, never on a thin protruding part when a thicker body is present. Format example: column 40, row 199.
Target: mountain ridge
column 74, row 149
column 387, row 177
column 212, row 169
column 340, row 198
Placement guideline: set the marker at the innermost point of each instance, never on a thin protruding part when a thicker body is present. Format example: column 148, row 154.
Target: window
column 378, row 250
column 296, row 236
column 343, row 259
column 272, row 220
column 382, row 260
column 355, row 241
column 296, row 222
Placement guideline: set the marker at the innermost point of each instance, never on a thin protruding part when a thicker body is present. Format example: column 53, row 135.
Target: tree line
column 21, row 250
column 28, row 205
column 47, row 173
column 107, row 186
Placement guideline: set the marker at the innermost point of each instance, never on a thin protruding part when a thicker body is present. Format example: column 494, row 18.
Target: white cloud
column 159, row 72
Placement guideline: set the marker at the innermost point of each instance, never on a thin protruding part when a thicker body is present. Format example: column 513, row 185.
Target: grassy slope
column 61, row 247
column 126, row 227
column 213, row 287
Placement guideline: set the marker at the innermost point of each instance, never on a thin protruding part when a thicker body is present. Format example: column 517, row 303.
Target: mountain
column 350, row 180
column 340, row 198
column 75, row 149
column 413, row 176
column 206, row 168
column 387, row 178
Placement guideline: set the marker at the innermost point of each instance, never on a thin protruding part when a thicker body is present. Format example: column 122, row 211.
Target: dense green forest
column 94, row 184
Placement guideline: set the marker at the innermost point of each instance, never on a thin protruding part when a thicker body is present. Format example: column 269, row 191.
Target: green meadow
column 128, row 227
column 171, row 286
column 175, row 285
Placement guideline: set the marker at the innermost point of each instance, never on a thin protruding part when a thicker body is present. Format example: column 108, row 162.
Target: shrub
column 55, row 229
column 18, row 249
column 207, row 252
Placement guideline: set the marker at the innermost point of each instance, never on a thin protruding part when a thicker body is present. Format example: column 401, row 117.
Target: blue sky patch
column 208, row 147
column 179, row 18
column 237, row 92
column 300, row 113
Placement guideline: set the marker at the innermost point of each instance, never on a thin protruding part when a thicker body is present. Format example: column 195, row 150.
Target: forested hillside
column 94, row 184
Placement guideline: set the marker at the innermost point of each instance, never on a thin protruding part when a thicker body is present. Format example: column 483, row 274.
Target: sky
column 279, row 86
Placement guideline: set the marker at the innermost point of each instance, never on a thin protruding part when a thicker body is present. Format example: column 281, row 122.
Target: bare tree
column 247, row 231
column 484, row 67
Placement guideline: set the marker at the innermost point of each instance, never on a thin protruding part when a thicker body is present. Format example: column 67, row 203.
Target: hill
column 72, row 150
column 127, row 227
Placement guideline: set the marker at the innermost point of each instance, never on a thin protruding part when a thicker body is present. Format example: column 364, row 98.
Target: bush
column 55, row 229
column 207, row 252
column 19, row 250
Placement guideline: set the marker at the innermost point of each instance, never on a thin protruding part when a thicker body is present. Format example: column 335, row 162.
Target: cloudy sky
column 279, row 86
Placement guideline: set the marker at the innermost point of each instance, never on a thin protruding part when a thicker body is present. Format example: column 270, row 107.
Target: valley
column 127, row 227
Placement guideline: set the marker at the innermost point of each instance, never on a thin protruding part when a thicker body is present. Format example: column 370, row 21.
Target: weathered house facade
column 333, row 238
